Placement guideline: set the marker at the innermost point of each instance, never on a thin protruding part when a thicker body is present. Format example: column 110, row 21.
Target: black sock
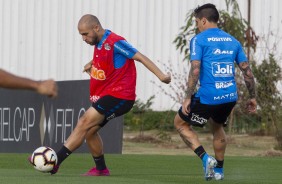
column 200, row 151
column 100, row 162
column 219, row 163
column 62, row 154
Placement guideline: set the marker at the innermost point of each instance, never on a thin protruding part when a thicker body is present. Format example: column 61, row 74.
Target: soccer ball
column 44, row 159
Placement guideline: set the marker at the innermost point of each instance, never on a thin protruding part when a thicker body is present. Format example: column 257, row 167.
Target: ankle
column 62, row 154
column 218, row 170
column 100, row 162
column 200, row 151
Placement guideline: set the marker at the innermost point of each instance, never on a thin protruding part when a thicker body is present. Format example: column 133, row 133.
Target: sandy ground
column 151, row 142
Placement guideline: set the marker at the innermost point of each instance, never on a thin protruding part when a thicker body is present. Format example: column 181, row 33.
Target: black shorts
column 200, row 113
column 112, row 107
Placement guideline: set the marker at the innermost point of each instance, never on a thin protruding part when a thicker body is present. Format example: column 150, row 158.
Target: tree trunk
column 278, row 133
column 230, row 124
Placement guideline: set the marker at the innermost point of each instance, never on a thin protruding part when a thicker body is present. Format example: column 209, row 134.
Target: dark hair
column 208, row 11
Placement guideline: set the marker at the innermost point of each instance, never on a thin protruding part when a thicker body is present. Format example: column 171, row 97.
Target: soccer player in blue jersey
column 212, row 55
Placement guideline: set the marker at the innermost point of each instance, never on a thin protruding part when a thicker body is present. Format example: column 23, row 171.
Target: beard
column 94, row 41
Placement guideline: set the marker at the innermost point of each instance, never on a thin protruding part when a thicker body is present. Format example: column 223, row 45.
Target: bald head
column 90, row 29
column 89, row 20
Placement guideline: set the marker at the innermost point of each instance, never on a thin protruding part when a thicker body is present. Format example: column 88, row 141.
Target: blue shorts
column 112, row 107
column 201, row 113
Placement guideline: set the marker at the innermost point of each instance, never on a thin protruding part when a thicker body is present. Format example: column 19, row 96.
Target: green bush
column 163, row 121
column 148, row 120
column 245, row 123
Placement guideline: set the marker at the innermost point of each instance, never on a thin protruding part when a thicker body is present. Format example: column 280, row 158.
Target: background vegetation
column 267, row 121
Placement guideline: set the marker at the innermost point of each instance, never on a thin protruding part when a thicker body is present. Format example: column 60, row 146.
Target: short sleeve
column 241, row 56
column 124, row 48
column 195, row 49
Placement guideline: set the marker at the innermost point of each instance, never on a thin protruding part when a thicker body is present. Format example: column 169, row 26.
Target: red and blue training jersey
column 113, row 70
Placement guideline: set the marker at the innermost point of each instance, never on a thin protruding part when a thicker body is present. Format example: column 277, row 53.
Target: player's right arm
column 250, row 84
column 194, row 73
column 193, row 78
column 87, row 67
column 124, row 48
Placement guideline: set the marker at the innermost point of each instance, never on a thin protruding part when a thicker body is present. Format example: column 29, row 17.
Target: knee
column 88, row 136
column 175, row 123
column 219, row 135
column 217, row 129
column 83, row 123
column 178, row 122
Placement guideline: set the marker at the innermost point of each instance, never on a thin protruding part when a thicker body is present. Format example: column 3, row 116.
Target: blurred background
column 39, row 38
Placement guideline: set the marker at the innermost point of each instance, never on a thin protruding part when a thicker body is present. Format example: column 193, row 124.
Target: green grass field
column 151, row 169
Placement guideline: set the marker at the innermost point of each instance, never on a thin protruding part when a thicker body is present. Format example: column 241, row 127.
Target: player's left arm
column 249, row 78
column 250, row 84
column 166, row 78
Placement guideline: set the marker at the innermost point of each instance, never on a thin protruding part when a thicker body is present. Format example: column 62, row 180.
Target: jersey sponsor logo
column 121, row 50
column 226, row 96
column 222, row 69
column 97, row 74
column 194, row 46
column 223, row 84
column 99, row 106
column 94, row 98
column 198, row 119
column 222, row 52
column 112, row 116
column 219, row 39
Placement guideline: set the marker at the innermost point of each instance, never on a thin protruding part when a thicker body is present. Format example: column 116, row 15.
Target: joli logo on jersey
column 222, row 69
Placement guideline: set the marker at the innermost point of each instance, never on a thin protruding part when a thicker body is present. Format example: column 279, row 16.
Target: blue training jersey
column 122, row 50
column 217, row 51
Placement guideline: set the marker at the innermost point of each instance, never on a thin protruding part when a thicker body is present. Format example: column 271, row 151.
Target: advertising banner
column 29, row 120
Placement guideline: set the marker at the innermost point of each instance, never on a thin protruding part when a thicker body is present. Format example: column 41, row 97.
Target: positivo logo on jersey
column 222, row 69
column 219, row 39
column 222, row 52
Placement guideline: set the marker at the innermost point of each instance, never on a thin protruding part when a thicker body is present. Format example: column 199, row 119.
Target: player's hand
column 186, row 106
column 87, row 67
column 252, row 105
column 166, row 78
column 48, row 88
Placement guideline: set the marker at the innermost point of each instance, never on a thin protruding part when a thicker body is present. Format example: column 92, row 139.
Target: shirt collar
column 105, row 36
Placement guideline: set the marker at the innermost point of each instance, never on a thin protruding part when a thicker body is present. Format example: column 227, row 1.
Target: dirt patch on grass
column 170, row 143
column 272, row 153
column 143, row 139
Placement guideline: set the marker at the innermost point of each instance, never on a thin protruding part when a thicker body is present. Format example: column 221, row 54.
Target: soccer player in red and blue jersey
column 112, row 89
